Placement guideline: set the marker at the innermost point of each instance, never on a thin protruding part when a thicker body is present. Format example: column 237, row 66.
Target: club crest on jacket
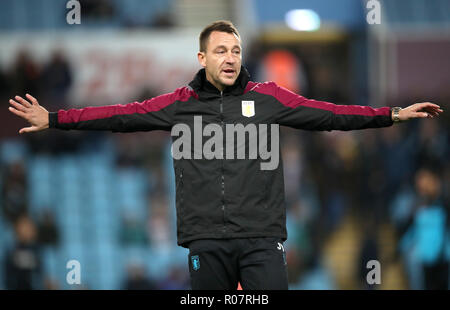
column 248, row 108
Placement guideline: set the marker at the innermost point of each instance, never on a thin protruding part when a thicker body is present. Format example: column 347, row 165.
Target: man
column 230, row 212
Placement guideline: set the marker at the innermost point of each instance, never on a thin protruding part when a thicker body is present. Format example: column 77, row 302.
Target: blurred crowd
column 107, row 10
column 391, row 176
column 399, row 176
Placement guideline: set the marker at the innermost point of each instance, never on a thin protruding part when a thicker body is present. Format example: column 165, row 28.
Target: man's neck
column 220, row 87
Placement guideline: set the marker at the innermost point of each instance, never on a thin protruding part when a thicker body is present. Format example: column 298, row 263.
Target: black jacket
column 226, row 198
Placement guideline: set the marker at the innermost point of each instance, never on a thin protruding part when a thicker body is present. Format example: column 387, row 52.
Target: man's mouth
column 229, row 72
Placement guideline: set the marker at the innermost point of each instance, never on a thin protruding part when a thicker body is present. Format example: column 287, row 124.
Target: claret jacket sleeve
column 152, row 114
column 299, row 112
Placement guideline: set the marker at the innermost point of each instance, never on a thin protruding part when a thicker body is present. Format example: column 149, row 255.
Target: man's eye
column 220, row 52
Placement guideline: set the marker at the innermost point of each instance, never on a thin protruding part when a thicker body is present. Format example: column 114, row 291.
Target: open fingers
column 427, row 105
column 430, row 112
column 427, row 109
column 17, row 112
column 17, row 105
column 32, row 99
column 433, row 111
column 23, row 101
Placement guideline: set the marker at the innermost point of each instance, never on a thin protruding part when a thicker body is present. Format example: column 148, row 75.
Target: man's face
column 222, row 59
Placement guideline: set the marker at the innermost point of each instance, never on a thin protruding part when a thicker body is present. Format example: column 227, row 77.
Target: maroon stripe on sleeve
column 344, row 109
column 292, row 100
column 250, row 86
column 151, row 105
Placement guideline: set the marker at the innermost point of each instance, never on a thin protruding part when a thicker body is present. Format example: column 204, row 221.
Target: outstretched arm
column 299, row 112
column 32, row 112
column 152, row 114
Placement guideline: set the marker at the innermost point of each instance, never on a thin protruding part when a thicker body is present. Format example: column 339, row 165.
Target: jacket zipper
column 222, row 169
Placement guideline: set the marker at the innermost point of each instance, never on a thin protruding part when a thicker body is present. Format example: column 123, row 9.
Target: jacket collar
column 205, row 90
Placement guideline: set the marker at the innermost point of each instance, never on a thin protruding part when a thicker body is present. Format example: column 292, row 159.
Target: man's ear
column 201, row 59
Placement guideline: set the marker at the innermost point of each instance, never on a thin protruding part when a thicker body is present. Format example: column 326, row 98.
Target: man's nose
column 230, row 59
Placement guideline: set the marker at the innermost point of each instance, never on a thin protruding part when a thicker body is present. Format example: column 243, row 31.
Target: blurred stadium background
column 107, row 200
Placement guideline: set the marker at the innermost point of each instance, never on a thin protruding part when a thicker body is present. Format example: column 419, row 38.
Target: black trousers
column 219, row 264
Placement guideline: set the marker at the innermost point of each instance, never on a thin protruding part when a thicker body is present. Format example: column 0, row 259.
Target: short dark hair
column 220, row 25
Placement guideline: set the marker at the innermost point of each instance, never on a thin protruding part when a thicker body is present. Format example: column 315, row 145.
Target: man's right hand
column 35, row 114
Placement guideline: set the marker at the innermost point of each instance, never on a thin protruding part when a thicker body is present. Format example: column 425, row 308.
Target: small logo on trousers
column 281, row 247
column 195, row 262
